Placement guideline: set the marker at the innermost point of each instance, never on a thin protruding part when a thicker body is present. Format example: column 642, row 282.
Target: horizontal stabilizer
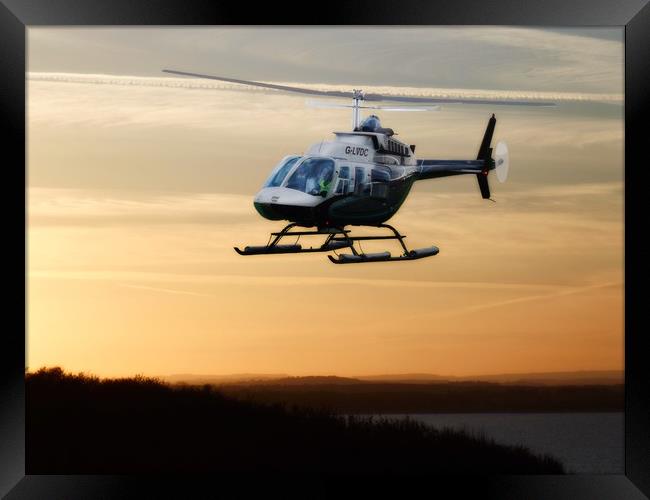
column 483, row 185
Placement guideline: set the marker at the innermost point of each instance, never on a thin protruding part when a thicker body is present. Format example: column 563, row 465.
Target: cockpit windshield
column 281, row 171
column 313, row 176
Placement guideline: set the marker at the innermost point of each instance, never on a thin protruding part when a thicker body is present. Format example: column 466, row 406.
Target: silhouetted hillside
column 80, row 424
column 192, row 379
column 450, row 397
column 306, row 381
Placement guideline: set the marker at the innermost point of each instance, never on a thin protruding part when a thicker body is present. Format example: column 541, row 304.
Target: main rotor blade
column 286, row 88
column 366, row 97
column 452, row 100
column 315, row 103
column 433, row 107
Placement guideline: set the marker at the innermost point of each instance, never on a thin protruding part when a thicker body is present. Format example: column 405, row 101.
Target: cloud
column 491, row 57
column 528, row 298
column 557, row 56
column 571, row 191
column 166, row 290
column 523, row 296
column 122, row 277
column 48, row 206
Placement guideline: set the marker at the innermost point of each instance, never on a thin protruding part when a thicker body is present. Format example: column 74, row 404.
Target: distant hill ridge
column 544, row 378
column 591, row 377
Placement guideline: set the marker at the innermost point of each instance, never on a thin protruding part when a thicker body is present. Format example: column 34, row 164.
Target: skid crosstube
column 338, row 238
column 275, row 248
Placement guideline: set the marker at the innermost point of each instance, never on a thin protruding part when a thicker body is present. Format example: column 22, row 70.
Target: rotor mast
column 357, row 97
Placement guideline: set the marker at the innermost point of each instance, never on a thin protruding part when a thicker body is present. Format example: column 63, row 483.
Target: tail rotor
column 501, row 161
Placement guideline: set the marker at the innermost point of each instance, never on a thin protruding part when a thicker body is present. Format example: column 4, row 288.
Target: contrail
column 530, row 298
column 197, row 83
column 167, row 290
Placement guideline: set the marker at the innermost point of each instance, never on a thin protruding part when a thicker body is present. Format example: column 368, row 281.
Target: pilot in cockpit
column 321, row 179
column 325, row 180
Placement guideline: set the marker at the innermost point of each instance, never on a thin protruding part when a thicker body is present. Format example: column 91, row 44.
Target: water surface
column 586, row 443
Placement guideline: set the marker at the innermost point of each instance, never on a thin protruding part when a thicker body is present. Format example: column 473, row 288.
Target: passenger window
column 380, row 174
column 360, row 181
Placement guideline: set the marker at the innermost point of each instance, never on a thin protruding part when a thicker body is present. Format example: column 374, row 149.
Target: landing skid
column 360, row 257
column 337, row 239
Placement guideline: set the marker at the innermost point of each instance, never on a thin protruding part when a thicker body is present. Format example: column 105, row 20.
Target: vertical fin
column 484, row 150
column 485, row 154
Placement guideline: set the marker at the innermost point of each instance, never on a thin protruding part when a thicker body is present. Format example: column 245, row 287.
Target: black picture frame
column 17, row 15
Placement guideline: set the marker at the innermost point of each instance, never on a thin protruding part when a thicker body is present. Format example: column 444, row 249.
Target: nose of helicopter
column 278, row 203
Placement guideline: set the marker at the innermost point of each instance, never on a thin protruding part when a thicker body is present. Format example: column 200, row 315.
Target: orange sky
column 137, row 195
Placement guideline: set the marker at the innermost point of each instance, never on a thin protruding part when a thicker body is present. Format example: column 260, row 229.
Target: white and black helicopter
column 361, row 178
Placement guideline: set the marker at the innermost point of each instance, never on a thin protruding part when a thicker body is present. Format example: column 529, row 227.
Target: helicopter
column 361, row 178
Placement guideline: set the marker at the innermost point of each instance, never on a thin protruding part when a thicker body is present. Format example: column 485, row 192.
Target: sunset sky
column 140, row 184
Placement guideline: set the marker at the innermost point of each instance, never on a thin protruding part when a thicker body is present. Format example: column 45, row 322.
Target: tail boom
column 432, row 169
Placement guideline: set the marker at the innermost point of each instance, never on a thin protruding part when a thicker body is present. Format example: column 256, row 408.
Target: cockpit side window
column 313, row 176
column 280, row 172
